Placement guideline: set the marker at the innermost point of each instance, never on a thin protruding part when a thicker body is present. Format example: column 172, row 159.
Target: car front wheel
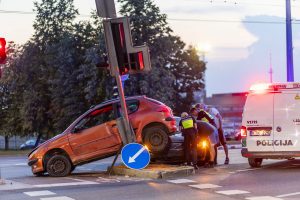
column 58, row 166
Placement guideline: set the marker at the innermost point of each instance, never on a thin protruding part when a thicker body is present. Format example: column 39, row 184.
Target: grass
column 14, row 152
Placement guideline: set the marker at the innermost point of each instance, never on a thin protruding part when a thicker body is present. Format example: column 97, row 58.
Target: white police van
column 271, row 123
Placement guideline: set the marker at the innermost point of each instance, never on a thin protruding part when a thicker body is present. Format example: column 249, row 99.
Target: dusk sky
column 241, row 34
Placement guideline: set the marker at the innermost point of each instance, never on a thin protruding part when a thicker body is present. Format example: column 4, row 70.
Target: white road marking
column 57, row 198
column 178, row 181
column 66, row 184
column 39, row 193
column 232, row 192
column 12, row 165
column 21, row 164
column 243, row 170
column 263, row 198
column 205, row 186
column 288, row 195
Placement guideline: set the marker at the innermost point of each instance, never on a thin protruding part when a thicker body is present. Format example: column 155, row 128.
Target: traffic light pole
column 123, row 107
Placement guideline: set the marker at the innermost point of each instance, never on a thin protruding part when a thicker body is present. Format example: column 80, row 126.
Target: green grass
column 14, row 153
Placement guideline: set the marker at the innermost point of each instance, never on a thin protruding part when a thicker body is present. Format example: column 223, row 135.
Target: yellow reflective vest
column 187, row 123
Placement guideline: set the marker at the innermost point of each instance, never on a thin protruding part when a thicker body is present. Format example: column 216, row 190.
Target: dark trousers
column 190, row 148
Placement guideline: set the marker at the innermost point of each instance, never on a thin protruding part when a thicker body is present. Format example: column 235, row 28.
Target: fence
column 14, row 142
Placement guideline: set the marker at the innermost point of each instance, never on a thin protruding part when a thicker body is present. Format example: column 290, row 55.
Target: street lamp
column 203, row 49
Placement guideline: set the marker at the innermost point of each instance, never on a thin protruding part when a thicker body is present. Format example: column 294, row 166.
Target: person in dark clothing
column 206, row 123
column 188, row 127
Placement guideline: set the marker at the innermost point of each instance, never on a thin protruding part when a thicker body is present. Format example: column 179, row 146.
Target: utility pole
column 289, row 43
column 271, row 69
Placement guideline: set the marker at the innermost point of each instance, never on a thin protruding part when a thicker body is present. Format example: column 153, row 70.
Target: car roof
column 117, row 100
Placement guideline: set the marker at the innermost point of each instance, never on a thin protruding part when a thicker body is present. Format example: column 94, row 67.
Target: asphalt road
column 275, row 180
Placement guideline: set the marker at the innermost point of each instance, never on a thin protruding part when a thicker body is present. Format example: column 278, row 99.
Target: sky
column 239, row 39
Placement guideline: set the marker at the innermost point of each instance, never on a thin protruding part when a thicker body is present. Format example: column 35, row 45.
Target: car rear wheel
column 58, row 166
column 255, row 162
column 156, row 138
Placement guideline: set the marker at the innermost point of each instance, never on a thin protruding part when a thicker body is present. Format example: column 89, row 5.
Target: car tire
column 255, row 162
column 59, row 166
column 203, row 157
column 156, row 138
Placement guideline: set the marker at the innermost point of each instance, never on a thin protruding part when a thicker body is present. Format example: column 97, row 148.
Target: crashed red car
column 94, row 135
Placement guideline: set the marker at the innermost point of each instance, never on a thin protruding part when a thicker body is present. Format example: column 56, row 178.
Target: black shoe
column 226, row 161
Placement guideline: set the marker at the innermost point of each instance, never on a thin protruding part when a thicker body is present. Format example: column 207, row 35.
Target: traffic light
column 2, row 50
column 121, row 52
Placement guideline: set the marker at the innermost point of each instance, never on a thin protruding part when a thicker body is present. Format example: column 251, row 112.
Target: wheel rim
column 156, row 139
column 58, row 166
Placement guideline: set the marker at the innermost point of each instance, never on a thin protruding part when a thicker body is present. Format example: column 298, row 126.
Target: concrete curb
column 155, row 171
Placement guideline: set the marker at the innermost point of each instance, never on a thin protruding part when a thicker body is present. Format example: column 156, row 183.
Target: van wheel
column 58, row 166
column 156, row 139
column 255, row 162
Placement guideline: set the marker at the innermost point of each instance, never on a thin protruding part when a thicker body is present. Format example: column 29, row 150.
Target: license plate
column 260, row 132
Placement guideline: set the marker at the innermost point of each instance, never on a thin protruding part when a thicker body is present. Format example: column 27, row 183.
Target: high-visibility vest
column 204, row 119
column 187, row 123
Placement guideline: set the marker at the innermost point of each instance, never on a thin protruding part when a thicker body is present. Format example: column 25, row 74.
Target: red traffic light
column 2, row 50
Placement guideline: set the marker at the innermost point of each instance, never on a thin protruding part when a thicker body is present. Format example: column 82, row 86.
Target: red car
column 94, row 135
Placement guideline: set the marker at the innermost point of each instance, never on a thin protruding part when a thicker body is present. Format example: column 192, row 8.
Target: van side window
column 97, row 117
column 132, row 107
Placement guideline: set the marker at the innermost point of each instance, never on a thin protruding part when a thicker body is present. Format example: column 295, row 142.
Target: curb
column 155, row 171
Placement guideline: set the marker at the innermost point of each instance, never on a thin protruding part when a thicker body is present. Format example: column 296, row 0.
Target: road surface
column 274, row 181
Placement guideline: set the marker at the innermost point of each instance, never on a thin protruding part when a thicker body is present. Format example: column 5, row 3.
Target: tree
column 10, row 99
column 177, row 72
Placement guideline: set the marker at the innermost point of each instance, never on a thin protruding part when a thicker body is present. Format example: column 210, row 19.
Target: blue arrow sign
column 135, row 156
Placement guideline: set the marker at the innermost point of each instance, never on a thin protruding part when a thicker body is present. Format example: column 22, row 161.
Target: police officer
column 188, row 127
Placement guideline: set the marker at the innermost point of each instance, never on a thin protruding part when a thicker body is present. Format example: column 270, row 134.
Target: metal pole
column 289, row 43
column 123, row 102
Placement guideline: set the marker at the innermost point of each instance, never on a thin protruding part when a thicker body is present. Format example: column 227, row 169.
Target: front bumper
column 36, row 165
column 270, row 154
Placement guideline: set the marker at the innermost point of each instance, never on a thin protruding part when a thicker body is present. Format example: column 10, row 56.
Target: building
column 231, row 107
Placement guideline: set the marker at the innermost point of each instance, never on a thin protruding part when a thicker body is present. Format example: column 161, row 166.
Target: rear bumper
column 270, row 154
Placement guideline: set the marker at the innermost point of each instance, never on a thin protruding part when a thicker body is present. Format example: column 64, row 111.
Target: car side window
column 97, row 117
column 132, row 107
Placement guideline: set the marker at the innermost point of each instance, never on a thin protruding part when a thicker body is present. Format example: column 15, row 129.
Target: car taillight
column 163, row 109
column 243, row 132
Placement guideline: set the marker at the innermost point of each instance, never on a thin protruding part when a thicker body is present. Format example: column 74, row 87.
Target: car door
column 258, row 119
column 287, row 122
column 97, row 134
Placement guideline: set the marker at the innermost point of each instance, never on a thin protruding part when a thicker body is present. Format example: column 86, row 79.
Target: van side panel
column 287, row 121
column 258, row 114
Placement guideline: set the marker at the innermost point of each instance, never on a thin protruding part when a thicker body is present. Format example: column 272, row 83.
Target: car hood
column 47, row 142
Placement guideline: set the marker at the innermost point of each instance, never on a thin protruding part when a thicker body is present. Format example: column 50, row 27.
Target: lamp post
column 202, row 50
column 289, row 43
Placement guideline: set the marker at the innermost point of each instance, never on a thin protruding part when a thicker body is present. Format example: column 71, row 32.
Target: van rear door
column 287, row 121
column 258, row 119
